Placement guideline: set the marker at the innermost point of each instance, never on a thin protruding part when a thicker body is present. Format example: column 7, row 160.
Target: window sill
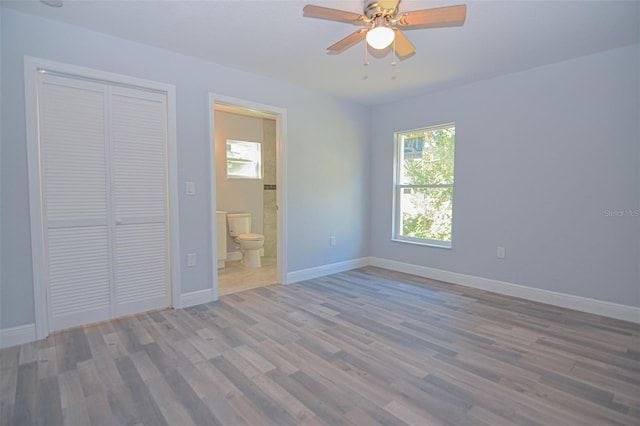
column 424, row 243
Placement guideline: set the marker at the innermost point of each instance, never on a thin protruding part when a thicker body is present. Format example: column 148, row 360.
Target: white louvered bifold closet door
column 138, row 135
column 104, row 180
column 75, row 178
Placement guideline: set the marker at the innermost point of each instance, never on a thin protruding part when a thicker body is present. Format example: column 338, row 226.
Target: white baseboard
column 196, row 298
column 17, row 335
column 320, row 271
column 27, row 333
column 578, row 303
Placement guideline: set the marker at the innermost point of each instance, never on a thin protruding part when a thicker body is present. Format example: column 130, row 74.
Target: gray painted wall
column 327, row 142
column 544, row 159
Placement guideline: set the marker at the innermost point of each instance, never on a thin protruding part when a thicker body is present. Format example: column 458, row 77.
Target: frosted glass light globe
column 380, row 37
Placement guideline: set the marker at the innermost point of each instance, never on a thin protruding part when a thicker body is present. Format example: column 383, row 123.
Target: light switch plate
column 190, row 188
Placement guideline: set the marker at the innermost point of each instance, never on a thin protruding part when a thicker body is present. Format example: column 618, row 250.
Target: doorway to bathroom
column 247, row 163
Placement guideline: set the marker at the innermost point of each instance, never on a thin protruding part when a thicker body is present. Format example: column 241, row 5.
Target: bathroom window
column 423, row 185
column 244, row 160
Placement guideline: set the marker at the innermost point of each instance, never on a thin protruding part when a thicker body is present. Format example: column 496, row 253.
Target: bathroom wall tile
column 270, row 223
column 269, row 151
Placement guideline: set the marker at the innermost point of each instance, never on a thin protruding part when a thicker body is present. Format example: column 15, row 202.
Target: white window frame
column 398, row 187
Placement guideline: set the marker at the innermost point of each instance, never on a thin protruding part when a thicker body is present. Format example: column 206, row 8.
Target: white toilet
column 250, row 243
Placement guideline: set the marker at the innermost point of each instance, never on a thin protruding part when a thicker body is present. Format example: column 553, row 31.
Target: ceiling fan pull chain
column 366, row 62
column 393, row 62
column 366, row 54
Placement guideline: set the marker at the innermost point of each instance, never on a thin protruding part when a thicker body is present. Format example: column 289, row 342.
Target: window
column 423, row 185
column 244, row 160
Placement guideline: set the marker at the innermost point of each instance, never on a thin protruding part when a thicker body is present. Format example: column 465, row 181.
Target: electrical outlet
column 190, row 188
column 332, row 240
column 191, row 259
column 500, row 252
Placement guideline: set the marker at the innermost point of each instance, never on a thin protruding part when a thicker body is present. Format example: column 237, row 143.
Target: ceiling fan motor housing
column 376, row 8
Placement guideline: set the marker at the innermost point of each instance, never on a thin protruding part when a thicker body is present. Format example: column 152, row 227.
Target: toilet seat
column 250, row 237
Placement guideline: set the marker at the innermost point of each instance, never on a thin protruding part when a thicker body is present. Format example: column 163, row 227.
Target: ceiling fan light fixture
column 380, row 36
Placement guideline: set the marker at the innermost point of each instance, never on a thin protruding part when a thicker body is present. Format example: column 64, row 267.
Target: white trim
column 198, row 297
column 212, row 203
column 281, row 181
column 321, row 271
column 31, row 69
column 27, row 333
column 396, row 231
column 35, row 201
column 281, row 192
column 579, row 303
column 174, row 193
column 17, row 335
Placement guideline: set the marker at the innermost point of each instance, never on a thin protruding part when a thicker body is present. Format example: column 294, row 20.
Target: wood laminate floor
column 364, row 347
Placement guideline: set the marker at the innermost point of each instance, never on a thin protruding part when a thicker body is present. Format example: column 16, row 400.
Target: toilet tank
column 239, row 223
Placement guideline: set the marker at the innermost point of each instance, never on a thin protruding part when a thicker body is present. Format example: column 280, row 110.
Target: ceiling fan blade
column 312, row 11
column 403, row 46
column 449, row 16
column 347, row 42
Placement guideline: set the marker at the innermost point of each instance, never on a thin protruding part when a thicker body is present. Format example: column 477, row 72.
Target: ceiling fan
column 382, row 23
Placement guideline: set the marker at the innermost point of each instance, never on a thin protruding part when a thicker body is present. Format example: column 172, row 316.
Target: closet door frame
column 33, row 68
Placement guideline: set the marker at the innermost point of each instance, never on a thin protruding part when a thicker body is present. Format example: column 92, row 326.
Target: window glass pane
column 426, row 156
column 426, row 213
column 244, row 159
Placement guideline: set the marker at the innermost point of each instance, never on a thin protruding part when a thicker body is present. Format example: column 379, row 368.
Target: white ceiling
column 272, row 38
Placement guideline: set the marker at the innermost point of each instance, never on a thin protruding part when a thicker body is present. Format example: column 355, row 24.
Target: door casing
column 280, row 115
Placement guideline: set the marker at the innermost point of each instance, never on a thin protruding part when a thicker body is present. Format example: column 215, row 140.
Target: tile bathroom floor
column 235, row 277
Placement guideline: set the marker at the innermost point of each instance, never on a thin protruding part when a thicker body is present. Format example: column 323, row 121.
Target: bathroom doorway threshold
column 236, row 277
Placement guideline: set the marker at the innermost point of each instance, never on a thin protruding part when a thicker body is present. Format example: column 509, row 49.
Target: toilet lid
column 251, row 237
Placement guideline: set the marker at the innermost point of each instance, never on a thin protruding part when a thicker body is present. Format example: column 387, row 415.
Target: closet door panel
column 75, row 201
column 79, row 276
column 72, row 140
column 142, row 269
column 138, row 146
column 139, row 156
